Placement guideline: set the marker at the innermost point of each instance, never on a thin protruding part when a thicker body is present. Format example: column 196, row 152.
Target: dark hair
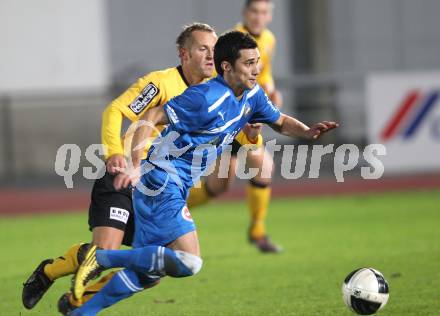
column 249, row 2
column 228, row 48
column 185, row 35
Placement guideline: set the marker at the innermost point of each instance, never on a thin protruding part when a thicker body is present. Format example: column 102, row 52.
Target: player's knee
column 186, row 264
column 192, row 262
column 259, row 157
column 220, row 187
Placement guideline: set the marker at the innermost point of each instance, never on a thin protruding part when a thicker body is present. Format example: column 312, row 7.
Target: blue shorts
column 160, row 219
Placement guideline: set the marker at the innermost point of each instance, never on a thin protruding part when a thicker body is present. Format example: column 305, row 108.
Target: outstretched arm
column 143, row 130
column 290, row 126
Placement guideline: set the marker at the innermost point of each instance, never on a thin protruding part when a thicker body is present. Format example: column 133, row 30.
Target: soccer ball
column 365, row 291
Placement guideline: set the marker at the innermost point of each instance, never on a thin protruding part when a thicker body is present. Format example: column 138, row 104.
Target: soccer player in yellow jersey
column 257, row 14
column 111, row 211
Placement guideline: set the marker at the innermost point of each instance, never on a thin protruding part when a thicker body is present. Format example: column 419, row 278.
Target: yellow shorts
column 244, row 140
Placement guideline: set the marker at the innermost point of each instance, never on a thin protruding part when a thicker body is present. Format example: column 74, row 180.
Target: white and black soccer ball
column 365, row 291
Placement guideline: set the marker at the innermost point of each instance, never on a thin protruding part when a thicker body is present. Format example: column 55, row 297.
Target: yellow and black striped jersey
column 266, row 44
column 153, row 89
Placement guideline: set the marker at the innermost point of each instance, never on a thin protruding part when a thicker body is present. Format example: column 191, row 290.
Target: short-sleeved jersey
column 154, row 89
column 203, row 120
column 266, row 44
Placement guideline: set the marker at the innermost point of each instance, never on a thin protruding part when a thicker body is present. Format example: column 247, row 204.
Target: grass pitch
column 323, row 238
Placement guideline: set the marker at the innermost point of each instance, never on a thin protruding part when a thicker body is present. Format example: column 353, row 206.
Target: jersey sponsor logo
column 143, row 99
column 119, row 214
column 186, row 214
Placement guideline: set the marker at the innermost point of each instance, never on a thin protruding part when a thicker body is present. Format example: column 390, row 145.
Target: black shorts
column 111, row 208
column 235, row 148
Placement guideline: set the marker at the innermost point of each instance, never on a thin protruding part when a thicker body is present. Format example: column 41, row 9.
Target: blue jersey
column 203, row 120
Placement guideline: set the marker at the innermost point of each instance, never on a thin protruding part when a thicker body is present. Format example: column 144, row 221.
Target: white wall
column 385, row 35
column 60, row 45
column 53, row 45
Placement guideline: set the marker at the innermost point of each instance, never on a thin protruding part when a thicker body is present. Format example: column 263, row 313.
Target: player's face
column 201, row 53
column 245, row 70
column 257, row 16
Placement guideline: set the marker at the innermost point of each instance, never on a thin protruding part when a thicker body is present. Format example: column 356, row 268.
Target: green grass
column 324, row 239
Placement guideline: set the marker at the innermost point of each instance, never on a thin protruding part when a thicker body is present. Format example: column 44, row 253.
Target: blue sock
column 154, row 260
column 122, row 285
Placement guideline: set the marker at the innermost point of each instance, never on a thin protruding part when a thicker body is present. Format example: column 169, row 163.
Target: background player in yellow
column 111, row 211
column 257, row 14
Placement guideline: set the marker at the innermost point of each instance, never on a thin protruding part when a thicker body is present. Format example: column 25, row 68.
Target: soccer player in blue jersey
column 202, row 122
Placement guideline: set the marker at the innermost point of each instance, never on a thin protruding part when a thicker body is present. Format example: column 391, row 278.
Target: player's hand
column 116, row 163
column 252, row 131
column 316, row 130
column 126, row 178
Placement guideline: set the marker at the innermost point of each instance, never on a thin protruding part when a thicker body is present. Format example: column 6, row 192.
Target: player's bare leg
column 107, row 237
column 213, row 185
column 258, row 193
column 217, row 185
column 188, row 243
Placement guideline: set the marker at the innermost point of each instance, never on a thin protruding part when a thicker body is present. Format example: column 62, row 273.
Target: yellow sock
column 258, row 199
column 64, row 265
column 198, row 196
